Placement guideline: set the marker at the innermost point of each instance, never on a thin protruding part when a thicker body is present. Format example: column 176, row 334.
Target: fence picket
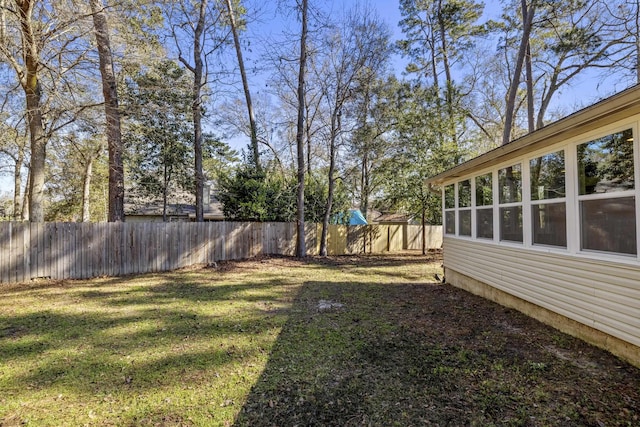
column 5, row 252
column 54, row 251
column 13, row 250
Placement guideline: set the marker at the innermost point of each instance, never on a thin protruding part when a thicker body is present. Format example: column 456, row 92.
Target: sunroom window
column 548, row 203
column 450, row 209
column 464, row 208
column 606, row 182
column 484, row 206
column 510, row 199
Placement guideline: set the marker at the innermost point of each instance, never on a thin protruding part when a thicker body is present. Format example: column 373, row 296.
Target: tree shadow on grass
column 426, row 354
column 134, row 337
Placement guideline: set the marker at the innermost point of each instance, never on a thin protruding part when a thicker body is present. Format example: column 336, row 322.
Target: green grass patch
column 180, row 348
column 341, row 341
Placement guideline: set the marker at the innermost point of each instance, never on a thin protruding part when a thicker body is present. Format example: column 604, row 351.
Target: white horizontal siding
column 601, row 294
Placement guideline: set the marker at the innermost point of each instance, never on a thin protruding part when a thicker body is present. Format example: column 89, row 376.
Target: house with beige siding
column 548, row 224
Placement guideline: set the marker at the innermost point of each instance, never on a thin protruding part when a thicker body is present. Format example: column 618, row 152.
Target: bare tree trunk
column 301, row 250
column 165, row 190
column 527, row 20
column 445, row 51
column 32, row 90
column 197, row 148
column 196, row 103
column 449, row 82
column 26, row 198
column 335, row 127
column 364, row 184
column 86, row 190
column 197, row 70
column 424, row 231
column 245, row 84
column 546, row 100
column 327, row 212
column 17, row 185
column 530, row 105
column 364, row 170
column 38, row 151
column 38, row 155
column 307, row 133
column 3, row 21
column 311, row 111
column 434, row 61
column 112, row 112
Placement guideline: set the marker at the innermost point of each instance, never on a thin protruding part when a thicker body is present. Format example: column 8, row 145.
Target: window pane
column 550, row 224
column 484, row 223
column 464, row 194
column 605, row 165
column 510, row 183
column 450, row 222
column 484, row 192
column 547, row 176
column 449, row 197
column 511, row 224
column 609, row 225
column 465, row 223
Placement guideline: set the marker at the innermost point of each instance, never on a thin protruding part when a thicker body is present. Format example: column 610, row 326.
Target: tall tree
column 14, row 147
column 576, row 36
column 159, row 143
column 42, row 41
column 74, row 160
column 253, row 130
column 370, row 143
column 438, row 34
column 527, row 12
column 197, row 28
column 112, row 113
column 25, row 58
column 563, row 41
column 301, row 250
column 420, row 153
column 284, row 85
column 355, row 49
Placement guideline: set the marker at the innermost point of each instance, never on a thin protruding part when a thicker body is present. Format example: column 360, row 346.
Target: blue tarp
column 356, row 217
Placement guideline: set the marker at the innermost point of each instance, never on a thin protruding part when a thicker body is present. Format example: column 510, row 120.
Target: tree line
column 112, row 101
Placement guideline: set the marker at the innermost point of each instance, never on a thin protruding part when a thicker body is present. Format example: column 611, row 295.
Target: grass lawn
column 339, row 341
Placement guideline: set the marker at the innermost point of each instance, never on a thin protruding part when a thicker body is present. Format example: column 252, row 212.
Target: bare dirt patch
column 405, row 351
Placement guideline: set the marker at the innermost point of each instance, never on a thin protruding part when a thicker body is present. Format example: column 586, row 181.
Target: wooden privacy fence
column 83, row 250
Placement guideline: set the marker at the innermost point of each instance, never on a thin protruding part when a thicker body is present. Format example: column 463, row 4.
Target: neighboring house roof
column 212, row 211
column 609, row 110
column 394, row 217
column 155, row 209
column 185, row 208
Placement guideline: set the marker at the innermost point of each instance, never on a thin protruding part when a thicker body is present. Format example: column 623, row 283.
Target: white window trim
column 519, row 204
column 572, row 198
column 463, row 208
column 529, row 202
column 571, row 191
column 475, row 208
column 454, row 209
